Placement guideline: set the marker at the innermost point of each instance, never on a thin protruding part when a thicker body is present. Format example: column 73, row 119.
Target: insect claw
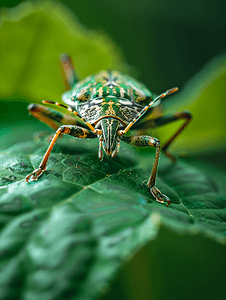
column 167, row 200
column 35, row 175
column 161, row 198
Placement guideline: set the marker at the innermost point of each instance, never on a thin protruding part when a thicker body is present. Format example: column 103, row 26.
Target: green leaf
column 33, row 35
column 84, row 217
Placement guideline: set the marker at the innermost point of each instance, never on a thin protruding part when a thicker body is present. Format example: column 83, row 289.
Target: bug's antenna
column 61, row 105
column 168, row 92
column 121, row 132
column 75, row 113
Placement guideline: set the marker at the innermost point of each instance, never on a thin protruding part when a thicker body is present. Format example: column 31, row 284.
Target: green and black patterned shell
column 108, row 93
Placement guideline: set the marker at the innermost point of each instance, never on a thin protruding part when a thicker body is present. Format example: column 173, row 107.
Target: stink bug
column 110, row 104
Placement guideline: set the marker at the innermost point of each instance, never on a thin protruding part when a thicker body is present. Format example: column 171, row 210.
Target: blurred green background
column 166, row 42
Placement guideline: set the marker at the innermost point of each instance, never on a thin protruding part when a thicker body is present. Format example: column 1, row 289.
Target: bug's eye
column 83, row 96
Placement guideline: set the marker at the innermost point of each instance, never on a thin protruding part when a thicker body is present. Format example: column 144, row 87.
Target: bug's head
column 109, row 128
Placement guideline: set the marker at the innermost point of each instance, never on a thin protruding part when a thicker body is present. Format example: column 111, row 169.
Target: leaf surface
column 81, row 220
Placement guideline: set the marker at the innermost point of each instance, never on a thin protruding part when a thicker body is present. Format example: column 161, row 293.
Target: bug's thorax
column 109, row 127
column 108, row 93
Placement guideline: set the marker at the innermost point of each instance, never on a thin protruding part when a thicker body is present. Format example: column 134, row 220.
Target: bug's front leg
column 52, row 117
column 75, row 131
column 147, row 141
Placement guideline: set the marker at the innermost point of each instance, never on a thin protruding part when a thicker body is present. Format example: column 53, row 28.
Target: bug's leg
column 45, row 115
column 51, row 117
column 177, row 116
column 184, row 115
column 147, row 141
column 163, row 120
column 80, row 121
column 75, row 131
column 68, row 71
